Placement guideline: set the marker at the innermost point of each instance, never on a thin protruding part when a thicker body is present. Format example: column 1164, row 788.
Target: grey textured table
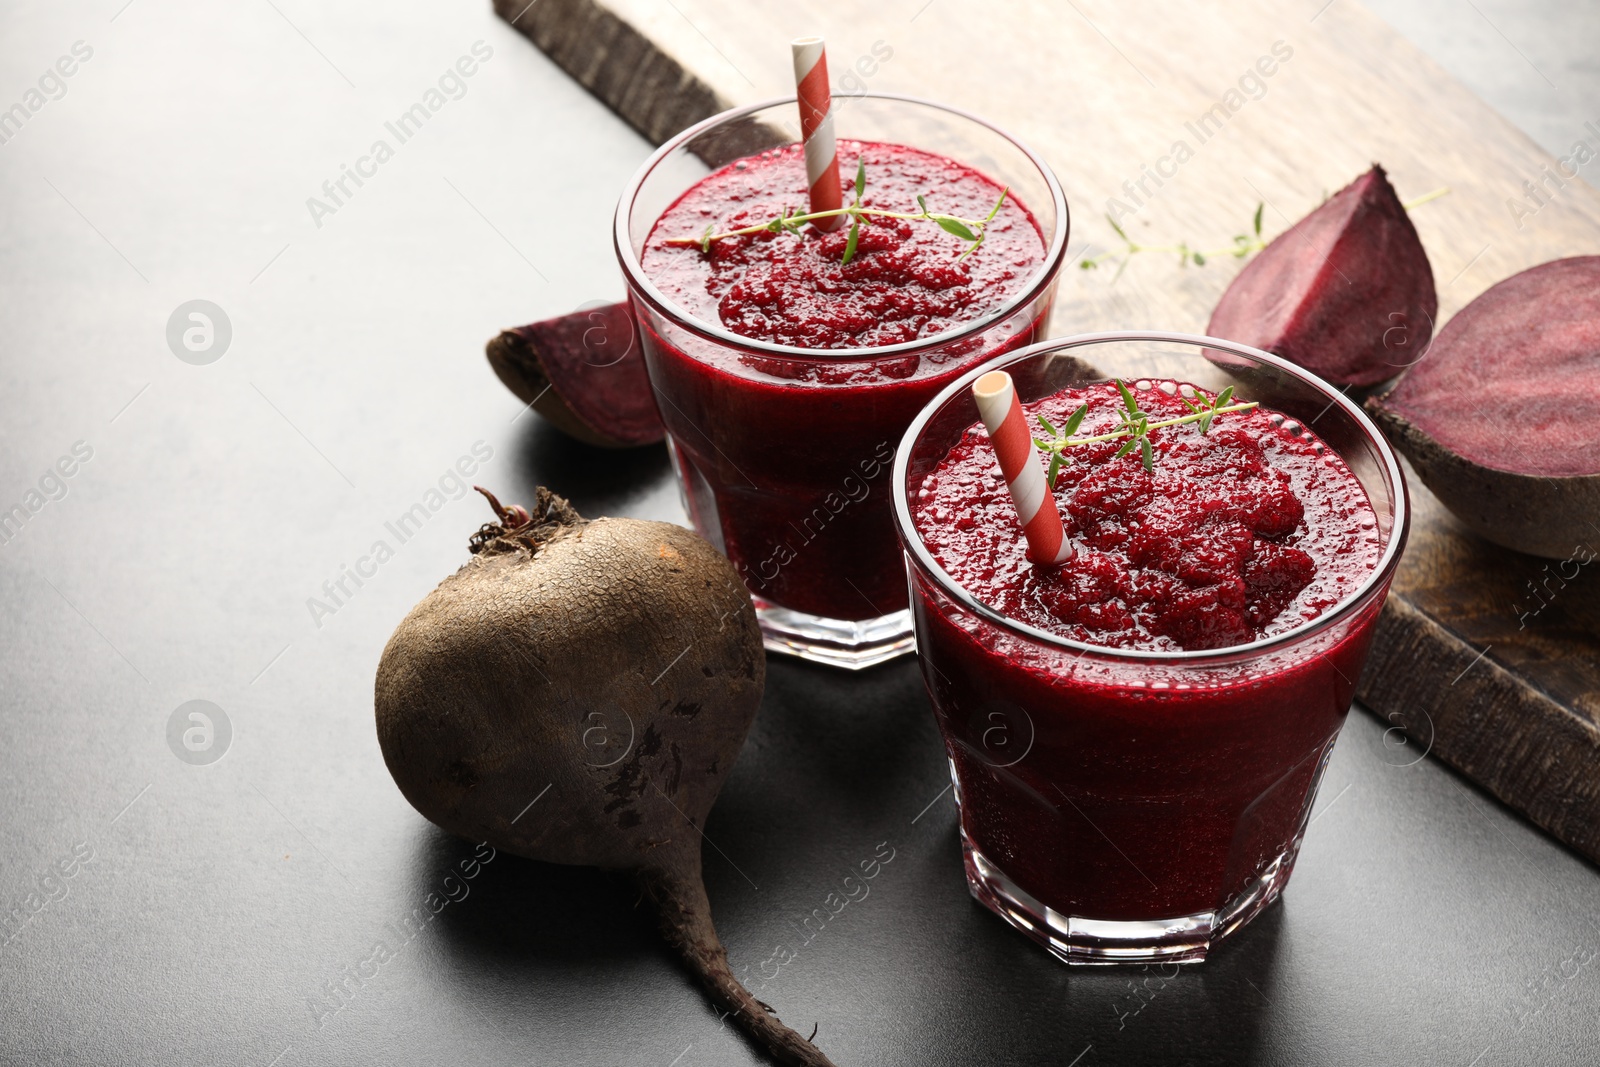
column 156, row 908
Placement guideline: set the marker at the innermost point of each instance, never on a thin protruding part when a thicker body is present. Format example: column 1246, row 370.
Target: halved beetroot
column 585, row 373
column 1346, row 292
column 1501, row 418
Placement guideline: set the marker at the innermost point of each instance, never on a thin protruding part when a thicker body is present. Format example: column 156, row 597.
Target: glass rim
column 641, row 285
column 1381, row 573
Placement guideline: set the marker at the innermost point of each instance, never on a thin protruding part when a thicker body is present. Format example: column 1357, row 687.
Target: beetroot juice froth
column 1243, row 532
column 907, row 279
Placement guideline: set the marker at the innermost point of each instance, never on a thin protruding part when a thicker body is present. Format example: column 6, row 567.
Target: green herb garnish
column 970, row 230
column 1243, row 245
column 1134, row 424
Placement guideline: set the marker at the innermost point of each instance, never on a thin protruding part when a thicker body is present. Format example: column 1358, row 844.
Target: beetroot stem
column 513, row 517
column 685, row 914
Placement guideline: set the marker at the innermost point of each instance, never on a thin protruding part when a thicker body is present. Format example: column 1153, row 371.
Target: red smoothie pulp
column 788, row 458
column 1126, row 788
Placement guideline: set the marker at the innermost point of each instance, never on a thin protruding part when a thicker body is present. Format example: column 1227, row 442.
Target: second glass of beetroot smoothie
column 785, row 377
column 1136, row 737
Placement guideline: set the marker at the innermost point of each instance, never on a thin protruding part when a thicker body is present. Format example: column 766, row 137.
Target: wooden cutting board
column 1485, row 658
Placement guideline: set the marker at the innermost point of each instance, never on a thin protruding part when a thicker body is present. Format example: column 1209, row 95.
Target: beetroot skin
column 577, row 693
column 585, row 373
column 1502, row 417
column 1346, row 292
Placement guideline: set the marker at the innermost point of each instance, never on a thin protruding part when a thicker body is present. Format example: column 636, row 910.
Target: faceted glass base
column 835, row 642
column 1180, row 939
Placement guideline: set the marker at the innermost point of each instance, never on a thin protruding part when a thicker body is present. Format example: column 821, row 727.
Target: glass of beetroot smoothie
column 786, row 375
column 1136, row 737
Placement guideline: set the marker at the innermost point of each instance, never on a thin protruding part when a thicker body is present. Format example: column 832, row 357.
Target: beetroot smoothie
column 785, row 455
column 1243, row 532
column 1104, row 787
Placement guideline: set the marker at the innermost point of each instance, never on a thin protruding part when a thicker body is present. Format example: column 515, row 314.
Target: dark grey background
column 1424, row 925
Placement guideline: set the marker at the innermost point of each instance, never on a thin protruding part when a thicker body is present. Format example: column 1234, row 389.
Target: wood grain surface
column 1180, row 119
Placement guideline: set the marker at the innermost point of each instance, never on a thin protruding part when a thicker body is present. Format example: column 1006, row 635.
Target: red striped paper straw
column 816, row 128
column 1002, row 416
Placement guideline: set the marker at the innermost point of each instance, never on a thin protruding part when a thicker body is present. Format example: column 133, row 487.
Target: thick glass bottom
column 835, row 642
column 1178, row 939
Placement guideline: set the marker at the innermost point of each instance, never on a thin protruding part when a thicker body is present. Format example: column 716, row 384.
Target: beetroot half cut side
column 1501, row 418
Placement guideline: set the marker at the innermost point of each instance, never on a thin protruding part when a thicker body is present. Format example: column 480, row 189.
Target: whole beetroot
column 1346, row 292
column 577, row 693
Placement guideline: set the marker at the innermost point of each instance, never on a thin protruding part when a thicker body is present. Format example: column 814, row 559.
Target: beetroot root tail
column 685, row 914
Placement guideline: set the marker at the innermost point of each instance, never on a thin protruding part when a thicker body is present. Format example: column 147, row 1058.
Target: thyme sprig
column 1134, row 424
column 971, row 230
column 1243, row 245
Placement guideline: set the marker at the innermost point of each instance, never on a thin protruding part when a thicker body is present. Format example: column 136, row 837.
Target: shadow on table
column 830, row 762
column 598, row 481
column 1167, row 1014
column 518, row 912
column 836, row 753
